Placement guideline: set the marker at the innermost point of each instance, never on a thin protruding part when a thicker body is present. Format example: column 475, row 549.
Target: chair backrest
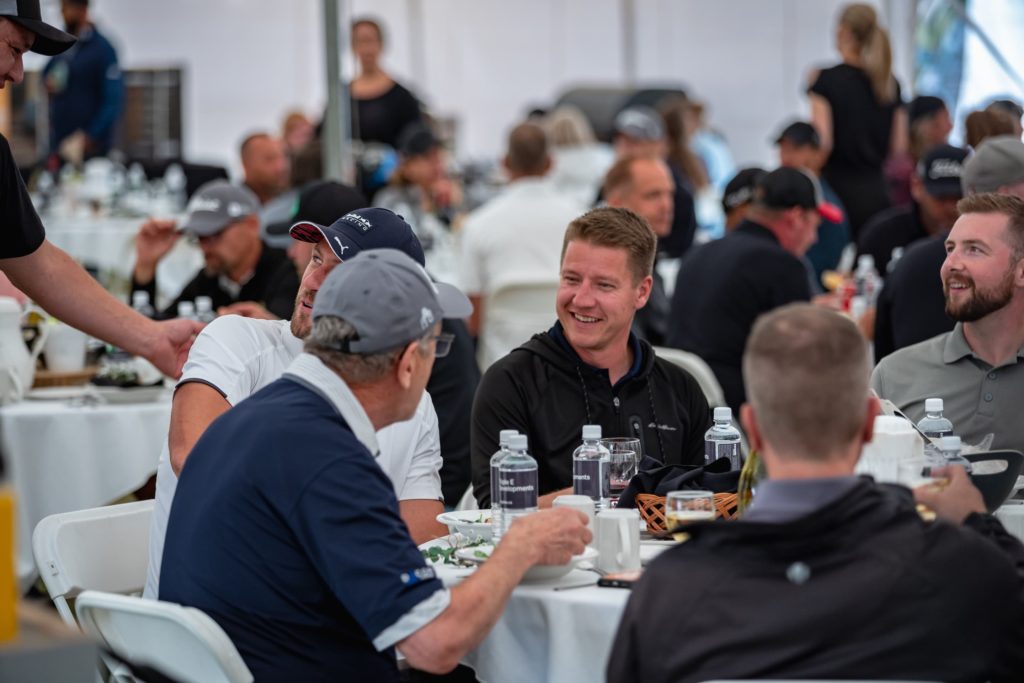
column 513, row 313
column 696, row 366
column 997, row 484
column 180, row 642
column 104, row 548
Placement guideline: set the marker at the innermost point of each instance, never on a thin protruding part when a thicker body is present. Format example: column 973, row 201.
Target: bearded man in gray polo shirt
column 976, row 369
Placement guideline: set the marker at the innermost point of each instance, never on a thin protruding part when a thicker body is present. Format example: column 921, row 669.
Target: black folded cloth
column 655, row 477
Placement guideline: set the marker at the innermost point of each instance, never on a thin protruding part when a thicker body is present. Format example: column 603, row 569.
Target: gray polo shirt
column 979, row 399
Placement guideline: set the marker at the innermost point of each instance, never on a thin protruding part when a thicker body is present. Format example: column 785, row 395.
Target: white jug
column 17, row 365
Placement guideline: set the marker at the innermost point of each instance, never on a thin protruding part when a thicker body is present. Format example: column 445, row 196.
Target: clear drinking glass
column 686, row 507
column 624, row 461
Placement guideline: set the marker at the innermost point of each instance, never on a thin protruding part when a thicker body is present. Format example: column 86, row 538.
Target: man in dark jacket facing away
column 589, row 368
column 827, row 575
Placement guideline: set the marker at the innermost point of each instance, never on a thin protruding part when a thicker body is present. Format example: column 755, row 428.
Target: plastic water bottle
column 140, row 302
column 187, row 309
column 897, row 254
column 591, row 468
column 517, row 482
column 934, row 424
column 950, row 446
column 204, row 309
column 496, row 527
column 723, row 440
column 867, row 280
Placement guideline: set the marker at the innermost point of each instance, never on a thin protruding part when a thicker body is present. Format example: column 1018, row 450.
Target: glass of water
column 624, row 457
column 683, row 508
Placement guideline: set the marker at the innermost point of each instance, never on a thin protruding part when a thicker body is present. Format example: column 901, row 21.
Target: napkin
column 658, row 478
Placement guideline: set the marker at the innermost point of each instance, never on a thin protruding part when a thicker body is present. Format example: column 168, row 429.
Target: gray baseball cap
column 639, row 122
column 216, row 205
column 998, row 161
column 388, row 298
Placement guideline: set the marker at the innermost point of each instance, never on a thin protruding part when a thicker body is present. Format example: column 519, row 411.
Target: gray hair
column 806, row 372
column 327, row 338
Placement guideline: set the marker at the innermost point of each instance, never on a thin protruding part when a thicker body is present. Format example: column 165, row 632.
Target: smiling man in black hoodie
column 589, row 368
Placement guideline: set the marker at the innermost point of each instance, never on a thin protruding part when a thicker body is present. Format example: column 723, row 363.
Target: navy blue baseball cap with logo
column 362, row 229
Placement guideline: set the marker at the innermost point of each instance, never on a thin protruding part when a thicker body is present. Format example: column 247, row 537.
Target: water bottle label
column 518, row 489
column 495, row 467
column 590, row 478
column 713, row 450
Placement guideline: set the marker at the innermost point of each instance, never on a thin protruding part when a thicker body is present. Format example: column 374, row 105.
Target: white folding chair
column 104, row 548
column 513, row 313
column 181, row 642
column 696, row 366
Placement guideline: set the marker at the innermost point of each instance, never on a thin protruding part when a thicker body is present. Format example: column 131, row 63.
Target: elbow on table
column 434, row 658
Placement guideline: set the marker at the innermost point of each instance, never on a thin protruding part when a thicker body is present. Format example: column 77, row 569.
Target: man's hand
column 172, row 340
column 548, row 536
column 155, row 238
column 955, row 501
column 247, row 309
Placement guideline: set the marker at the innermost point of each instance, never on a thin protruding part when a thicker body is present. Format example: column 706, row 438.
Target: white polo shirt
column 239, row 356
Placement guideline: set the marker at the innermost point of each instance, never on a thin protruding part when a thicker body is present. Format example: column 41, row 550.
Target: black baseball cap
column 785, row 188
column 740, row 190
column 361, row 230
column 801, row 134
column 50, row 40
column 941, row 170
column 922, row 106
column 416, row 139
column 319, row 201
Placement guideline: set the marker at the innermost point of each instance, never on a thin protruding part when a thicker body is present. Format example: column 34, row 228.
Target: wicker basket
column 652, row 508
column 47, row 378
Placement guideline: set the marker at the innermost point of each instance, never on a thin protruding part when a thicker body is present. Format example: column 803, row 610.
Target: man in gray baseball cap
column 291, row 473
column 997, row 166
column 224, row 219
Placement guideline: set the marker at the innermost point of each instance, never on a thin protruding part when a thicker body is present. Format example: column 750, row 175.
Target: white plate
column 58, row 393
column 473, row 524
column 116, row 395
column 536, row 573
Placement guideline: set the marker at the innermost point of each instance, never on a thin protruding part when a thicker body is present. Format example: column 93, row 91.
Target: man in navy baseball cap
column 360, row 230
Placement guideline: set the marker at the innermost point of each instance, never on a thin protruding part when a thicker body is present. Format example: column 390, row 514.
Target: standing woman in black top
column 381, row 107
column 857, row 110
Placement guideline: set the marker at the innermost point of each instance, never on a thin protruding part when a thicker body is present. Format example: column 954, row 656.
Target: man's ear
column 644, row 292
column 406, row 363
column 749, row 421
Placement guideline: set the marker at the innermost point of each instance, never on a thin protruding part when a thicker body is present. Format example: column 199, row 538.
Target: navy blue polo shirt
column 287, row 533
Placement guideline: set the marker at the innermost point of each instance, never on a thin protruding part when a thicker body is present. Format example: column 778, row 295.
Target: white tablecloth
column 1011, row 514
column 546, row 634
column 62, row 457
column 108, row 244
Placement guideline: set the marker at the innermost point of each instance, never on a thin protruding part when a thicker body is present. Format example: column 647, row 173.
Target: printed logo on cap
column 204, row 204
column 945, row 168
column 357, row 221
column 426, row 318
column 342, row 247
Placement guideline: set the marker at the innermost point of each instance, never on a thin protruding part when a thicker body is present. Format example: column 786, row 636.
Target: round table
column 66, row 455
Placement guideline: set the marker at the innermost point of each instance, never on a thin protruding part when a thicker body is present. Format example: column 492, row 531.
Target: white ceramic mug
column 584, row 504
column 64, row 349
column 617, row 539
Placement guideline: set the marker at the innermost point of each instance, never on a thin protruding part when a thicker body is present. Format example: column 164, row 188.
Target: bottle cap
column 140, row 297
column 591, row 432
column 186, row 309
column 723, row 413
column 505, row 434
column 204, row 304
column 865, row 261
column 517, row 442
column 949, row 443
column 933, row 405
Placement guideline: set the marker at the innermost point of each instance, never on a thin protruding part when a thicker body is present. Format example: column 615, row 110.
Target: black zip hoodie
column 545, row 391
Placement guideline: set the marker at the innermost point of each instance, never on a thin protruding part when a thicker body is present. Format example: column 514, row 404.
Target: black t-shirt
column 452, row 386
column 381, row 119
column 721, row 289
column 895, row 227
column 911, row 306
column 25, row 229
column 861, row 126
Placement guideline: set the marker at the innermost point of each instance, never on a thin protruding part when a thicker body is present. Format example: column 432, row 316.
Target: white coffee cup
column 617, row 539
column 584, row 504
column 64, row 349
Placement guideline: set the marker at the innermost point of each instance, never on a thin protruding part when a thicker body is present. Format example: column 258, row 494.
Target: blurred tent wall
column 486, row 62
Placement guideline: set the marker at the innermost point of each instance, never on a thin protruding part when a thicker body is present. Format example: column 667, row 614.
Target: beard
column 301, row 323
column 981, row 302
